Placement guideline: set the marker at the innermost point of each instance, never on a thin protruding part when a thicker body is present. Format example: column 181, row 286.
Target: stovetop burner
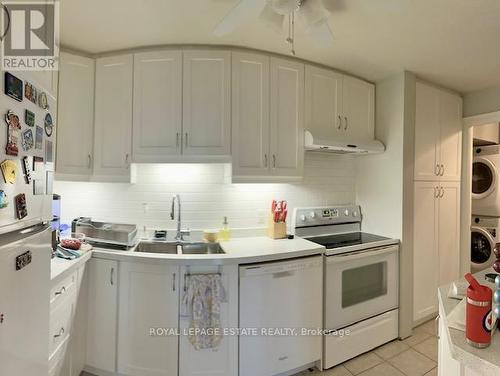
column 346, row 239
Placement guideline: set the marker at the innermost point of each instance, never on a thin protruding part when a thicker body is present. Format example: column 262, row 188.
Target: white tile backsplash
column 207, row 194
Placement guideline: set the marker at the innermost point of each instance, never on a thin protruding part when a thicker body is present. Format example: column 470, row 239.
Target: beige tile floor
column 414, row 356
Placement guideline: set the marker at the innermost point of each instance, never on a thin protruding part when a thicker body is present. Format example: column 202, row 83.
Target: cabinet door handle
column 346, row 125
column 61, row 332
column 339, row 122
column 274, row 161
column 112, row 277
column 436, row 326
column 436, row 170
column 177, row 140
column 265, row 160
column 442, row 170
column 61, row 291
column 173, row 282
column 436, row 192
column 186, row 140
column 442, row 192
column 126, row 161
column 89, row 161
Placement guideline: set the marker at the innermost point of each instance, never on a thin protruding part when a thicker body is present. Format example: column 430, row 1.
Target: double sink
column 179, row 248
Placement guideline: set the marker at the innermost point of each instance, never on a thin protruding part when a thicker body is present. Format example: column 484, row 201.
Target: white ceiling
column 454, row 43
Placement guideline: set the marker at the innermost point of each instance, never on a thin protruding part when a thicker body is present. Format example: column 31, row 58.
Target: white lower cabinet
column 436, row 247
column 102, row 314
column 68, row 325
column 149, row 299
column 447, row 366
column 223, row 360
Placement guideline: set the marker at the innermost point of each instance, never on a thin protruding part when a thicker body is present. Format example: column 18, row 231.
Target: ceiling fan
column 311, row 13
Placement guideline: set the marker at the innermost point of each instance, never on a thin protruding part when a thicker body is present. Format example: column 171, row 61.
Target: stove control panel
column 326, row 215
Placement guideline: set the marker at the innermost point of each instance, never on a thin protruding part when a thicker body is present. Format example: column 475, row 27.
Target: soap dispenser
column 224, row 232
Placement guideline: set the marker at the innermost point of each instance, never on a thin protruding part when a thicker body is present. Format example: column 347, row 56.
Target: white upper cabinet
column 426, row 132
column 250, row 114
column 206, row 102
column 450, row 116
column 438, row 134
column 358, row 107
column 113, row 117
column 287, row 118
column 75, row 116
column 157, row 112
column 323, row 104
column 338, row 107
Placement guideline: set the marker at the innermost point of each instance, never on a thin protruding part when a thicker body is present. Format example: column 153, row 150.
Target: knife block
column 276, row 230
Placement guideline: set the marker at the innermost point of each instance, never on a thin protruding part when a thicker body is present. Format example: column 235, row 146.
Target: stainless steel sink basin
column 186, row 248
column 201, row 248
column 157, row 247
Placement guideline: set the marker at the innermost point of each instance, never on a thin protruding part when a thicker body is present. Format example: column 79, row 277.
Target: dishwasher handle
column 283, row 268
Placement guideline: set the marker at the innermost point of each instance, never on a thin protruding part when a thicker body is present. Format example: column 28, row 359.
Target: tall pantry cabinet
column 436, row 231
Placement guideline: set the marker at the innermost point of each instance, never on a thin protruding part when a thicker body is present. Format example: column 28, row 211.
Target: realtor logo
column 30, row 35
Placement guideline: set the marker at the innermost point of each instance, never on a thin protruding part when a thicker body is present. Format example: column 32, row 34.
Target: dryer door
column 484, row 177
column 482, row 245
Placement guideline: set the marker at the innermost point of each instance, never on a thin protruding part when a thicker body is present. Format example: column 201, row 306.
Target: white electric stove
column 361, row 281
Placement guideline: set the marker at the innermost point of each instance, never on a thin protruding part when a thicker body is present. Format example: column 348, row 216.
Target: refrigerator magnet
column 13, row 87
column 9, row 168
column 29, row 118
column 38, row 137
column 26, row 170
column 30, row 92
column 13, row 127
column 21, row 206
column 48, row 125
column 48, row 151
column 3, row 200
column 27, row 142
column 42, row 100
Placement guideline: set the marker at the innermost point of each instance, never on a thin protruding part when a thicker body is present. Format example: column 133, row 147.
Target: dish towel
column 201, row 302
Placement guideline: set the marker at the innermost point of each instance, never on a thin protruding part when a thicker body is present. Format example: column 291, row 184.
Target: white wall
column 384, row 182
column 206, row 193
column 482, row 101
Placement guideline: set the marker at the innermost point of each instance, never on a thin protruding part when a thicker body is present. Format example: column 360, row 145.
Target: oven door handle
column 361, row 254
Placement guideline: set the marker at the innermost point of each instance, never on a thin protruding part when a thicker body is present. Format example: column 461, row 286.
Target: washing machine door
column 484, row 177
column 482, row 245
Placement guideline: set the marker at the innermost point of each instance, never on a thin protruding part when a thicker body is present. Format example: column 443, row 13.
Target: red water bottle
column 478, row 318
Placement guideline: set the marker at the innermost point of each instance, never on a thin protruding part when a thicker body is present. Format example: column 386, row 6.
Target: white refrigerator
column 28, row 128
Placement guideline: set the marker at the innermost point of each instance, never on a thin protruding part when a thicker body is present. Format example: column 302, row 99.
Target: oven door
column 360, row 285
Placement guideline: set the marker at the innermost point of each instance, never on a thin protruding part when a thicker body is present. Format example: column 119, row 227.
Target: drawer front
column 362, row 337
column 56, row 361
column 63, row 288
column 60, row 323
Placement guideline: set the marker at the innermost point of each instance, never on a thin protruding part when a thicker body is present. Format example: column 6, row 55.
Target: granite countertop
column 483, row 361
column 237, row 251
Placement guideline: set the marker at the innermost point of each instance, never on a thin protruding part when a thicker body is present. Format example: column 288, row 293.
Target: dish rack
column 106, row 233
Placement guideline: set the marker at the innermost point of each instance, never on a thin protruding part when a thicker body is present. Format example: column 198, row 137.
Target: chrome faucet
column 180, row 233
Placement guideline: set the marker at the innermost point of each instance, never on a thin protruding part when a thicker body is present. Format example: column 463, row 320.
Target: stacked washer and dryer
column 485, row 224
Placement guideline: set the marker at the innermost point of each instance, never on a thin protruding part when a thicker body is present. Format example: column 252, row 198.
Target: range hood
column 330, row 145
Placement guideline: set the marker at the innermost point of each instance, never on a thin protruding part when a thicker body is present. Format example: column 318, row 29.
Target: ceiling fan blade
column 272, row 19
column 243, row 11
column 321, row 34
column 312, row 12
